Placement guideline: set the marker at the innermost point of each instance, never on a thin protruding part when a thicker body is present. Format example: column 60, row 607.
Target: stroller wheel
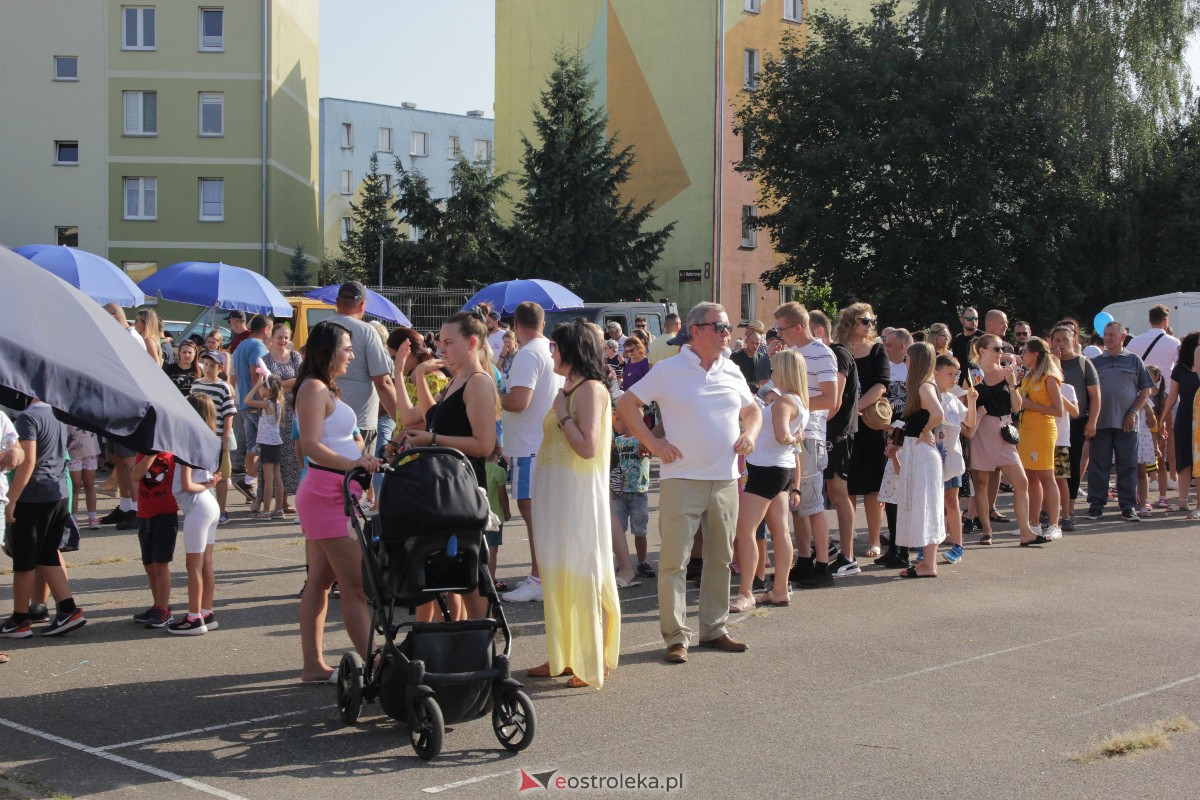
column 514, row 720
column 350, row 687
column 426, row 727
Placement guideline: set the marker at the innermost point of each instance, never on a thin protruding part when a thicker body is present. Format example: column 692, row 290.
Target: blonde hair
column 790, row 374
column 848, row 318
column 381, row 329
column 205, row 408
column 921, row 358
column 982, row 342
column 793, row 312
column 1047, row 363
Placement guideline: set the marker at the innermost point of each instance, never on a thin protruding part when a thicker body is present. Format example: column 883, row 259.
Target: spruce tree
column 298, row 271
column 373, row 225
column 571, row 224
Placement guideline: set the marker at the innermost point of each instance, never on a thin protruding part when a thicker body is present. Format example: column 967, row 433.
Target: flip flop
column 997, row 517
column 543, row 671
column 763, row 600
column 625, row 584
column 332, row 679
column 985, row 539
column 3, row 658
column 911, row 572
column 1039, row 539
column 578, row 683
column 741, row 604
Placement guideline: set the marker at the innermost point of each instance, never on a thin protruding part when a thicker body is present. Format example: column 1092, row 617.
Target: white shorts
column 200, row 512
column 81, row 464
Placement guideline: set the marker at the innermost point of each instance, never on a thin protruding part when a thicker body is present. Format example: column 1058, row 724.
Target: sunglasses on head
column 719, row 327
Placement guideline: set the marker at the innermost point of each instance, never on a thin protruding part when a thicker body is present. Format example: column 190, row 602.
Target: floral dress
column 288, row 465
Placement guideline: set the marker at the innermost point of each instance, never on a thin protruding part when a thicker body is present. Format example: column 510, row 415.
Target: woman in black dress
column 856, row 331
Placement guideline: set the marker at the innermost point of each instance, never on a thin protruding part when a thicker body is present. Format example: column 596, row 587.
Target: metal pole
column 381, row 263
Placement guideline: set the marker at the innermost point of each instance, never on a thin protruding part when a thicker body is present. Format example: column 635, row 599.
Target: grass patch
column 99, row 562
column 17, row 787
column 229, row 548
column 6, row 571
column 1147, row 737
column 293, row 542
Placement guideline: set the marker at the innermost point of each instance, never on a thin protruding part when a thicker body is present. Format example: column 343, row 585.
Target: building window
column 749, row 231
column 212, row 199
column 747, row 302
column 387, row 182
column 793, row 10
column 483, row 150
column 66, row 153
column 347, row 136
column 750, row 66
column 212, row 29
column 386, row 140
column 747, row 145
column 454, row 148
column 139, row 271
column 347, row 228
column 67, row 235
column 66, row 68
column 754, row 6
column 138, row 24
column 346, row 186
column 141, row 113
column 420, row 144
column 212, row 114
column 141, row 198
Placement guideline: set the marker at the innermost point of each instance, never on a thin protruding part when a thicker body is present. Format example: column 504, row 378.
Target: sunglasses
column 719, row 327
column 1021, row 335
column 997, row 349
column 970, row 319
column 867, row 321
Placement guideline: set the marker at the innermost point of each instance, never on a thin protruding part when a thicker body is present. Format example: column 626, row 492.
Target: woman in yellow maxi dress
column 571, row 516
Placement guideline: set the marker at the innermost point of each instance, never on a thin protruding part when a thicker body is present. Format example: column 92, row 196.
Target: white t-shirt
column 699, row 412
column 1163, row 355
column 822, row 368
column 953, row 414
column 1091, row 351
column 8, row 435
column 1064, row 422
column 496, row 342
column 532, row 368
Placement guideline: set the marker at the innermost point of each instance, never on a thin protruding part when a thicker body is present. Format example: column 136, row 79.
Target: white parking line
column 1138, row 696
column 209, row 729
column 155, row 771
column 468, row 781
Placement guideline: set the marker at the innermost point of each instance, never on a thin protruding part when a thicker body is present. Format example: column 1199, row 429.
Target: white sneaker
column 1172, row 485
column 1053, row 533
column 529, row 591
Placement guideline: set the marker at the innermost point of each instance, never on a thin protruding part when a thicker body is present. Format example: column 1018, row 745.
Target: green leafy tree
column 373, row 234
column 298, row 268
column 570, row 223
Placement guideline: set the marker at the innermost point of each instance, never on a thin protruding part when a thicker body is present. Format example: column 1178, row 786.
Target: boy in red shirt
column 158, row 527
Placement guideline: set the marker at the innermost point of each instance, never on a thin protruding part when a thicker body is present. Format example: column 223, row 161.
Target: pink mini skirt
column 320, row 507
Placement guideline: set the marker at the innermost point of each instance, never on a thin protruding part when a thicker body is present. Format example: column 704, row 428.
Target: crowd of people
column 756, row 441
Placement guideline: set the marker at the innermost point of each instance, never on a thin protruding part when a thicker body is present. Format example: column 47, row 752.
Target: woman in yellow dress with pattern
column 1041, row 406
column 571, row 515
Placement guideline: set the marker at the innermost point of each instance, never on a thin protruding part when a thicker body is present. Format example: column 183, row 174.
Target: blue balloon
column 1102, row 319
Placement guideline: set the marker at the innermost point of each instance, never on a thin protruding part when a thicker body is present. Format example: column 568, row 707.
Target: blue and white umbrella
column 377, row 304
column 217, row 285
column 505, row 296
column 97, row 277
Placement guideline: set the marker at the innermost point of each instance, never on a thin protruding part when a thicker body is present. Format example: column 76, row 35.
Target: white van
column 1135, row 314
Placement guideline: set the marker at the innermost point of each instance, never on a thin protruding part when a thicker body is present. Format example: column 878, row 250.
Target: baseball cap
column 235, row 315
column 213, row 356
column 680, row 339
column 772, row 334
column 494, row 315
column 351, row 290
column 756, row 325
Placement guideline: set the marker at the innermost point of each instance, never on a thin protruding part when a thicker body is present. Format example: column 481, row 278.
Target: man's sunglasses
column 970, row 319
column 719, row 327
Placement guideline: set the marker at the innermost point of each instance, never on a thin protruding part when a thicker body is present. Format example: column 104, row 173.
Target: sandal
column 1193, row 515
column 874, row 552
column 985, row 539
column 578, row 683
column 740, row 604
column 543, row 671
column 3, row 658
column 996, row 516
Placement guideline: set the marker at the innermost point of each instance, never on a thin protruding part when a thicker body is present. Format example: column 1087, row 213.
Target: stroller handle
column 358, row 473
column 362, row 477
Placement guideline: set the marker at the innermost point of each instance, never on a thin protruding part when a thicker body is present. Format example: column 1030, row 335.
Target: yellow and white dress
column 573, row 537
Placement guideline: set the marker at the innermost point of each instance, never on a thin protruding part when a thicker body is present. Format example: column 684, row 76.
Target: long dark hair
column 1187, row 349
column 319, row 352
column 581, row 348
column 416, row 342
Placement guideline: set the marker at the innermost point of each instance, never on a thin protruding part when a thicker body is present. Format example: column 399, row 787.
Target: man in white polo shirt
column 812, row 528
column 702, row 397
column 532, row 385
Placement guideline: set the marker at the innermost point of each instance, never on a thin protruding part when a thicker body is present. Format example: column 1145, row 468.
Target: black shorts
column 120, row 450
column 36, row 533
column 270, row 453
column 157, row 537
column 840, row 450
column 767, row 482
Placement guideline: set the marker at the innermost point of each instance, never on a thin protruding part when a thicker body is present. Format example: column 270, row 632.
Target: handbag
column 878, row 415
column 1008, row 431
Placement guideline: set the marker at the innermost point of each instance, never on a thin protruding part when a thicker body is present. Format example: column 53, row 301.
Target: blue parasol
column 377, row 304
column 97, row 277
column 505, row 296
column 217, row 285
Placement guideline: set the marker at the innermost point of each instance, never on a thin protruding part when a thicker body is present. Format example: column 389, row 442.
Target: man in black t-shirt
column 960, row 345
column 749, row 359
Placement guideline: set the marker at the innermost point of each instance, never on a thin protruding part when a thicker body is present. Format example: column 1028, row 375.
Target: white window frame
column 347, row 136
column 347, row 228
column 749, row 233
column 140, row 130
column 754, row 6
column 746, row 298
column 208, row 98
column 454, row 148
column 387, row 140
column 210, row 47
column 419, row 144
column 60, row 60
column 140, row 36
column 147, row 187
column 58, row 145
column 387, row 182
column 346, row 182
column 793, row 10
column 212, row 216
column 488, row 153
column 751, row 65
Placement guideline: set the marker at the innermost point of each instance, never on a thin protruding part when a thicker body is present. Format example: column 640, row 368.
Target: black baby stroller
column 426, row 542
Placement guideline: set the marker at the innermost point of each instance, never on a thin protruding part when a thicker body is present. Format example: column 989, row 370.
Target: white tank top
column 338, row 431
column 767, row 451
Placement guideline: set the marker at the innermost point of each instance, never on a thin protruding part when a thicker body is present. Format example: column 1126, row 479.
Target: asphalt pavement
column 981, row 683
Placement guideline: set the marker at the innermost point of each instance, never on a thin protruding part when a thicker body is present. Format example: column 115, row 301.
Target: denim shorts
column 630, row 510
column 250, row 429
